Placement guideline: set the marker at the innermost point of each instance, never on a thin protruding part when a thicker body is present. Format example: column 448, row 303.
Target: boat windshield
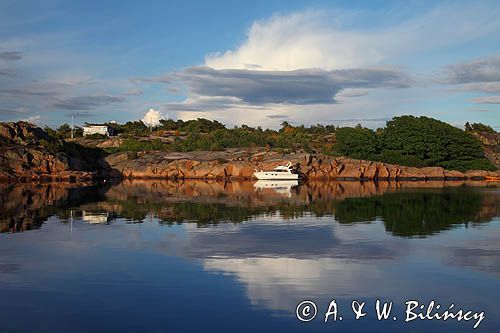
column 281, row 169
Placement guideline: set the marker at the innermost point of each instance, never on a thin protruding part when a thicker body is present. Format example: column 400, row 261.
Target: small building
column 90, row 129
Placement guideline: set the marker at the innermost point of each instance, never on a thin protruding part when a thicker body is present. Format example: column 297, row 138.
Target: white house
column 97, row 129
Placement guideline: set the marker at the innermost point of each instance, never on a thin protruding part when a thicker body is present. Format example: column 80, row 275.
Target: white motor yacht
column 281, row 172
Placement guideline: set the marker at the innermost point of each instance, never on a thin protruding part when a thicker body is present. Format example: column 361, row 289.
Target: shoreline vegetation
column 407, row 148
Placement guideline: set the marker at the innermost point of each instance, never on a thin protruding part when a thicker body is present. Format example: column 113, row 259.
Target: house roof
column 96, row 125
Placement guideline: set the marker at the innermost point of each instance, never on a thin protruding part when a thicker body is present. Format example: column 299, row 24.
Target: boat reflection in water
column 405, row 209
column 145, row 255
column 283, row 187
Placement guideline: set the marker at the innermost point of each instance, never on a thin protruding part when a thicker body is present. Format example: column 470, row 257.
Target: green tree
column 134, row 128
column 358, row 142
column 78, row 132
column 64, row 131
column 419, row 141
column 479, row 127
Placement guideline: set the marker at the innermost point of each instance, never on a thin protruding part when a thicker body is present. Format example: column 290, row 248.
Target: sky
column 250, row 62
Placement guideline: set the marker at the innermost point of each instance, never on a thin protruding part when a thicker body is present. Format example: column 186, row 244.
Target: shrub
column 96, row 136
column 134, row 145
column 478, row 127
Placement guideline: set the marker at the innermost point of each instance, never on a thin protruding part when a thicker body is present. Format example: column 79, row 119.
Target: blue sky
column 259, row 62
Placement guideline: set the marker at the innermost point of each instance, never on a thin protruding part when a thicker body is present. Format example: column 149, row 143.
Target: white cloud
column 33, row 119
column 289, row 65
column 152, row 118
column 297, row 41
column 310, row 40
column 328, row 41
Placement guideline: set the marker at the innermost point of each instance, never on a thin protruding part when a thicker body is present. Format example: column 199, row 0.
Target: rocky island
column 28, row 152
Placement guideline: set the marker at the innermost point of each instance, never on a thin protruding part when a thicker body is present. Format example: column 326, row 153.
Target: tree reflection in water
column 406, row 209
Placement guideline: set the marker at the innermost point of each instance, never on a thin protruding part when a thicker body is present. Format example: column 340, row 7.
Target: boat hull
column 270, row 175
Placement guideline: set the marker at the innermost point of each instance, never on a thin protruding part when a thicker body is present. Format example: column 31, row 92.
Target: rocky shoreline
column 27, row 153
column 240, row 165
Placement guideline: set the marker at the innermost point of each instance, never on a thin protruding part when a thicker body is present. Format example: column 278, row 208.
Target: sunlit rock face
column 240, row 164
column 28, row 152
column 491, row 145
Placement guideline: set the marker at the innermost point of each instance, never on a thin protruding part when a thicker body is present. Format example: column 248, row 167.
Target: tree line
column 416, row 141
column 404, row 140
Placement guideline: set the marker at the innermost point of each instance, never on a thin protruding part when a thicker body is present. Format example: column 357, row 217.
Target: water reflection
column 420, row 213
column 104, row 253
column 283, row 187
column 406, row 209
column 27, row 206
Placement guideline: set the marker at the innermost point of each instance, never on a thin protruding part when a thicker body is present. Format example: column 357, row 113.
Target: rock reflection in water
column 27, row 206
column 406, row 209
column 263, row 248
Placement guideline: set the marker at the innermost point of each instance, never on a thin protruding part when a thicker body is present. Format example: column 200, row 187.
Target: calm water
column 197, row 256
